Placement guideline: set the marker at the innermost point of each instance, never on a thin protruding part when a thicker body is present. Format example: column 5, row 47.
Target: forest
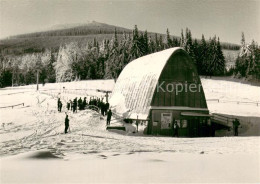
column 106, row 58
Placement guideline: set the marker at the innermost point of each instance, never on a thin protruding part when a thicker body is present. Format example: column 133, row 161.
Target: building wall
column 188, row 126
column 179, row 84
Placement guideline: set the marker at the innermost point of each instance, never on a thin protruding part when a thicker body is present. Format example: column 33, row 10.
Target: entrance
column 198, row 124
column 193, row 127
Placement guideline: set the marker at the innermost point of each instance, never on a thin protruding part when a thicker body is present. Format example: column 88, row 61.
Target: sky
column 225, row 19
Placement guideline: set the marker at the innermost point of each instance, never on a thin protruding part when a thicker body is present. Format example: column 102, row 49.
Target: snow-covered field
column 234, row 98
column 35, row 150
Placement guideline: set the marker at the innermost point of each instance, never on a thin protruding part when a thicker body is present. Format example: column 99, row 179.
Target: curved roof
column 136, row 84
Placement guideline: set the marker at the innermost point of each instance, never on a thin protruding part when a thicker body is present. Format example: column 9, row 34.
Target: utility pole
column 38, row 67
column 37, row 80
column 106, row 93
column 13, row 78
column 137, row 123
column 106, row 96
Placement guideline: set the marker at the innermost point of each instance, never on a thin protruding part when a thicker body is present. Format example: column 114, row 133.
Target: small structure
column 165, row 90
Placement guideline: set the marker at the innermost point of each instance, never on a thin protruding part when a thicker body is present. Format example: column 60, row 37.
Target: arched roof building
column 152, row 86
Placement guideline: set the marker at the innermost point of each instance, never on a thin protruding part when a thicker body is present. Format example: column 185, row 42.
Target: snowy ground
column 35, row 150
column 231, row 97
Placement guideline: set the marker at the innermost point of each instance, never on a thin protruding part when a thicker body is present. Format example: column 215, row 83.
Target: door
column 193, row 127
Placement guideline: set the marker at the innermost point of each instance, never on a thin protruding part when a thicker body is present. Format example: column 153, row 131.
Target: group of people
column 79, row 104
column 76, row 103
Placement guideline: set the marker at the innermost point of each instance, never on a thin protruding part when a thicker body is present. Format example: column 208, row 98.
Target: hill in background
column 62, row 34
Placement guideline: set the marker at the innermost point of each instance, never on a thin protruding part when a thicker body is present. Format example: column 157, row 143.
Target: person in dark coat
column 176, row 129
column 236, row 124
column 95, row 102
column 68, row 106
column 109, row 115
column 71, row 105
column 84, row 103
column 75, row 104
column 58, row 104
column 80, row 103
column 102, row 107
column 106, row 108
column 66, row 123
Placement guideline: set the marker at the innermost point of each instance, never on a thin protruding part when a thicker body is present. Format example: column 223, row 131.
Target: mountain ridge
column 76, row 29
column 65, row 33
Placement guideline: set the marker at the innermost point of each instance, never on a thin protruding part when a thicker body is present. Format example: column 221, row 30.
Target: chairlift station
column 163, row 89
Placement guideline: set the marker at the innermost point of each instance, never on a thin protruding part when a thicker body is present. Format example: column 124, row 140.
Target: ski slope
column 34, row 149
column 231, row 97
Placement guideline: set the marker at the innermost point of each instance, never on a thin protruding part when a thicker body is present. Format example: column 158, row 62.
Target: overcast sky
column 227, row 19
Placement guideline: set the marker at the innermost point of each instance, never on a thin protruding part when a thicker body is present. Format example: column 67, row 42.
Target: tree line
column 106, row 59
column 248, row 61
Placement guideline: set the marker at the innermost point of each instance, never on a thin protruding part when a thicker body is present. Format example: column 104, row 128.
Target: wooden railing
column 225, row 120
column 12, row 106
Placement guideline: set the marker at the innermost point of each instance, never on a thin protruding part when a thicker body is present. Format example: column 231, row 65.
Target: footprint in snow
column 155, row 160
column 103, row 156
column 60, row 143
column 92, row 152
column 116, row 155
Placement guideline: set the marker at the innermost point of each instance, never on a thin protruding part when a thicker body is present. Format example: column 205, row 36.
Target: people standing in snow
column 71, row 105
column 66, row 124
column 176, row 129
column 80, row 103
column 102, row 108
column 68, row 106
column 106, row 107
column 109, row 115
column 59, row 105
column 75, row 104
column 84, row 103
column 236, row 124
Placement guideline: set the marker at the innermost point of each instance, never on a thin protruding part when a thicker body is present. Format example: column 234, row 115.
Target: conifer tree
column 197, row 58
column 161, row 44
column 145, row 43
column 156, row 43
column 151, row 45
column 169, row 42
column 182, row 39
column 221, row 58
column 115, row 39
column 243, row 41
column 203, row 49
column 175, row 42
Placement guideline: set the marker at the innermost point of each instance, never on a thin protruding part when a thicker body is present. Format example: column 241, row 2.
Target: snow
column 235, row 98
column 34, row 149
column 145, row 167
column 119, row 100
